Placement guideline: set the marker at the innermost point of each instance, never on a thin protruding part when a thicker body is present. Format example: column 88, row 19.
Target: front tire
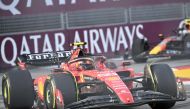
column 17, row 89
column 66, row 84
column 163, row 81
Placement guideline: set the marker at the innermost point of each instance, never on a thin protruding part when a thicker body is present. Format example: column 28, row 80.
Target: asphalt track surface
column 137, row 68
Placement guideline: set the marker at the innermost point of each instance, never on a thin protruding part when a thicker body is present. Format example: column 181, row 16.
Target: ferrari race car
column 172, row 46
column 83, row 81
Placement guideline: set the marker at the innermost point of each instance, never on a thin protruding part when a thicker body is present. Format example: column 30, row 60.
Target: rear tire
column 139, row 46
column 165, row 82
column 17, row 89
column 66, row 84
column 187, row 45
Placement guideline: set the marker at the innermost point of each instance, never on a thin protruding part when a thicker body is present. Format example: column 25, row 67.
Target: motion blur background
column 108, row 26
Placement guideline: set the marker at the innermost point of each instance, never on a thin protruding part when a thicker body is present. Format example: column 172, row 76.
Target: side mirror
column 126, row 63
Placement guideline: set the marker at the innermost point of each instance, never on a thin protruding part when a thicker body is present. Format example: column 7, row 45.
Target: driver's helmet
column 184, row 27
column 187, row 24
column 82, row 63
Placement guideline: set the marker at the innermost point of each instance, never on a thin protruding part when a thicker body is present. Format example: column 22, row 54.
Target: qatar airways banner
column 23, row 7
column 100, row 40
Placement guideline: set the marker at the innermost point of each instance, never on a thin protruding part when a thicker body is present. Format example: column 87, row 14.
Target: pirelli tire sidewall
column 164, row 81
column 66, row 84
column 17, row 89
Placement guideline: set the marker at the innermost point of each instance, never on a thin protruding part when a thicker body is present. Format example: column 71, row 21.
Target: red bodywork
column 109, row 76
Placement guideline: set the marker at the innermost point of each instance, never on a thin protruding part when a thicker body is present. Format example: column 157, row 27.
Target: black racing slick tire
column 163, row 81
column 66, row 84
column 187, row 45
column 17, row 89
column 139, row 46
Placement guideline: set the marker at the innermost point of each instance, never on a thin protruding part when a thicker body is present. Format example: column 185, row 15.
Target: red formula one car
column 84, row 81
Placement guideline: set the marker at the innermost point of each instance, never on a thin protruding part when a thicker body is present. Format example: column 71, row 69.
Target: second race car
column 172, row 46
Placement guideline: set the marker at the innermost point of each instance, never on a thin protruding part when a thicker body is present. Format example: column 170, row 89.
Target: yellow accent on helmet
column 78, row 44
column 187, row 21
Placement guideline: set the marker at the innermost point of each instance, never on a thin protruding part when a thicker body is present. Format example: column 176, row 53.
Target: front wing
column 159, row 55
column 140, row 98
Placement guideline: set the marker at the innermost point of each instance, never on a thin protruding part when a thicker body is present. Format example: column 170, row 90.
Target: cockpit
column 87, row 63
column 83, row 63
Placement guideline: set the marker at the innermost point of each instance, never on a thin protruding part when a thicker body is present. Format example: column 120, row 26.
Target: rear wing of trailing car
column 48, row 58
